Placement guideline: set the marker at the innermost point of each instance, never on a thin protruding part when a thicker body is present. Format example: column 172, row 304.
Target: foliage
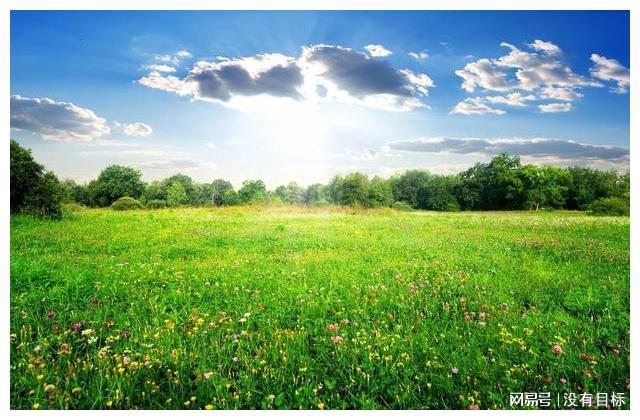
column 176, row 194
column 33, row 190
column 117, row 181
column 156, row 204
column 252, row 192
column 126, row 203
column 611, row 206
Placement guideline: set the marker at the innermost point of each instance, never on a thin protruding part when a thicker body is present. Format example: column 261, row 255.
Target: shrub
column 401, row 206
column 611, row 206
column 156, row 204
column 126, row 203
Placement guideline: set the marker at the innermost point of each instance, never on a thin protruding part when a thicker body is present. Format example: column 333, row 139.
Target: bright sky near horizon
column 302, row 96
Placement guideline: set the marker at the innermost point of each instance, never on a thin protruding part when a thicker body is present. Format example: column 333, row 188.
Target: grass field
column 315, row 308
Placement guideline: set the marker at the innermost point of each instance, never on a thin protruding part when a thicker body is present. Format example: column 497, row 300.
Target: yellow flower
column 321, row 405
column 36, row 406
column 109, row 403
column 208, row 407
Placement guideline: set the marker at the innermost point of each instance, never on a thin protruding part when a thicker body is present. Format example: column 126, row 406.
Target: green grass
column 229, row 308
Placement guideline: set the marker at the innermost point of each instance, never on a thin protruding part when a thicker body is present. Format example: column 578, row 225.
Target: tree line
column 504, row 183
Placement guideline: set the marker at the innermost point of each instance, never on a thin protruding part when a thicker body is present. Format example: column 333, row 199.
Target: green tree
column 380, row 192
column 355, row 190
column 315, row 193
column 218, row 188
column 117, row 181
column 176, row 195
column 33, row 190
column 230, row 198
column 252, row 192
column 405, row 187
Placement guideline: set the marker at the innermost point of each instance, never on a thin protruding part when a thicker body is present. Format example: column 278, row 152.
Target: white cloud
column 320, row 73
column 137, row 129
column 540, row 71
column 560, row 93
column 512, row 99
column 211, row 145
column 61, row 121
column 160, row 68
column 183, row 54
column 420, row 56
column 556, row 107
column 485, row 74
column 475, row 106
column 530, row 147
column 611, row 70
column 546, row 47
column 376, row 50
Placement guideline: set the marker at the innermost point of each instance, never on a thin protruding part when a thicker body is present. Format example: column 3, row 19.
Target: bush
column 612, row 206
column 126, row 203
column 156, row 204
column 401, row 206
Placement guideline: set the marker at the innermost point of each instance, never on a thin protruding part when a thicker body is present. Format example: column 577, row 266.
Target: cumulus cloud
column 512, row 99
column 485, row 74
column 475, row 106
column 137, row 129
column 611, row 70
column 376, row 50
column 556, row 107
column 540, row 70
column 546, row 47
column 530, row 147
column 61, row 121
column 420, row 56
column 321, row 72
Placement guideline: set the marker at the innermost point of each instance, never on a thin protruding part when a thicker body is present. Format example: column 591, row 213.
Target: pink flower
column 454, row 370
column 126, row 360
column 64, row 347
column 557, row 350
column 336, row 339
column 333, row 327
column 473, row 407
column 344, row 322
column 563, row 380
column 51, row 314
column 77, row 326
column 36, row 349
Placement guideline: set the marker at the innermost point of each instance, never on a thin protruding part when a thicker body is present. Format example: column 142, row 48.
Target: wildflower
column 473, row 407
column 235, row 338
column 109, row 403
column 234, row 358
column 64, row 347
column 77, row 326
column 88, row 331
column 125, row 333
column 76, row 390
column 585, row 357
column 336, row 339
column 207, row 375
column 345, row 322
column 563, row 380
column 247, row 314
column 333, row 327
column 208, row 407
column 37, row 349
column 321, row 405
column 51, row 314
column 49, row 388
column 454, row 370
column 36, row 406
column 126, row 360
column 557, row 350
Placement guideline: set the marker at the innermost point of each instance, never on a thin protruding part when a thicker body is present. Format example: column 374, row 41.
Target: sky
column 302, row 96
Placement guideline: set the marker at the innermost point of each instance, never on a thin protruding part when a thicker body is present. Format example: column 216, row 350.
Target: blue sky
column 305, row 95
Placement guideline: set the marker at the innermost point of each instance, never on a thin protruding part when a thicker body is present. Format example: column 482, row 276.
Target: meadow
column 294, row 307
